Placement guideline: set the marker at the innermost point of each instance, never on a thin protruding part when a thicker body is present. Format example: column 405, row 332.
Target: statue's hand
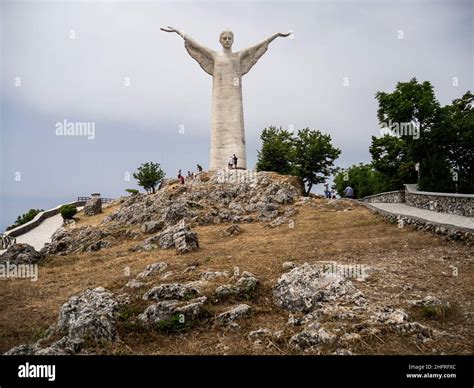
column 172, row 29
column 169, row 29
column 284, row 35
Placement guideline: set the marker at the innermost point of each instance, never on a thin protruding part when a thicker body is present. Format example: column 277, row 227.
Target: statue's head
column 227, row 39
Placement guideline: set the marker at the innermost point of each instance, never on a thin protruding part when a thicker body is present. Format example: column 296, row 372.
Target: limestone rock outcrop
column 86, row 318
column 21, row 254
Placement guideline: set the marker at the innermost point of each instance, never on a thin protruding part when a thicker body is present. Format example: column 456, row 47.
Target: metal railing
column 6, row 241
column 85, row 199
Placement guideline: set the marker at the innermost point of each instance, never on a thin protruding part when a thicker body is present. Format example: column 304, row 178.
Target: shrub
column 68, row 211
column 435, row 311
column 175, row 323
column 132, row 191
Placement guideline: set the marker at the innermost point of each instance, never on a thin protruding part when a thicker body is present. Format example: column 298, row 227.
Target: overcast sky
column 73, row 61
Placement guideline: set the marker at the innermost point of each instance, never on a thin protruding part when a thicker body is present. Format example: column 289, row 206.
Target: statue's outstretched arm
column 250, row 55
column 202, row 54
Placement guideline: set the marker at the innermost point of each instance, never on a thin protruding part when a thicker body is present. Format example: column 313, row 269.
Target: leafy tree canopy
column 149, row 175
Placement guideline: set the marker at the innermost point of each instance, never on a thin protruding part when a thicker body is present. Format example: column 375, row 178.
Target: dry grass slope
column 406, row 262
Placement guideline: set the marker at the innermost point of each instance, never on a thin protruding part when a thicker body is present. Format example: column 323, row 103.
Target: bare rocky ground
column 240, row 268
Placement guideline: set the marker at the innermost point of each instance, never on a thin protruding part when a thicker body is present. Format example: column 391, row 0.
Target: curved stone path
column 428, row 215
column 42, row 234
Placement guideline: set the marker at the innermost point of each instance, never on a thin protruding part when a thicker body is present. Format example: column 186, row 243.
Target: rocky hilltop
column 168, row 216
column 193, row 293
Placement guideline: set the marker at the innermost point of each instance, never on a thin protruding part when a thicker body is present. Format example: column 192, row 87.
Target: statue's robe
column 227, row 125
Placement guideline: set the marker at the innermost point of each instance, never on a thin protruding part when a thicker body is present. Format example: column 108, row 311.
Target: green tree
column 362, row 178
column 391, row 158
column 455, row 135
column 277, row 151
column 396, row 156
column 409, row 102
column 444, row 145
column 149, row 175
column 309, row 155
column 24, row 218
column 314, row 157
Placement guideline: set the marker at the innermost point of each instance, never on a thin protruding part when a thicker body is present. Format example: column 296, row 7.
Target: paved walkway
column 442, row 218
column 42, row 234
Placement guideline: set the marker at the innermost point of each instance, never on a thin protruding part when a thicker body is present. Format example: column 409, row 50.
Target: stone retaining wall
column 387, row 197
column 459, row 204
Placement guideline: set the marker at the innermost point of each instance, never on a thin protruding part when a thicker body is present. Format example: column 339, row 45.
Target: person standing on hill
column 327, row 193
column 349, row 192
column 230, row 163
column 180, row 177
column 234, row 159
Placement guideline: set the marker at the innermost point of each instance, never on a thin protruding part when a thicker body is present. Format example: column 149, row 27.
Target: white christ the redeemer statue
column 227, row 69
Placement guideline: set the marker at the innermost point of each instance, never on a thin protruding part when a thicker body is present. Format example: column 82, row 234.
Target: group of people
column 329, row 193
column 348, row 192
column 191, row 174
column 232, row 164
